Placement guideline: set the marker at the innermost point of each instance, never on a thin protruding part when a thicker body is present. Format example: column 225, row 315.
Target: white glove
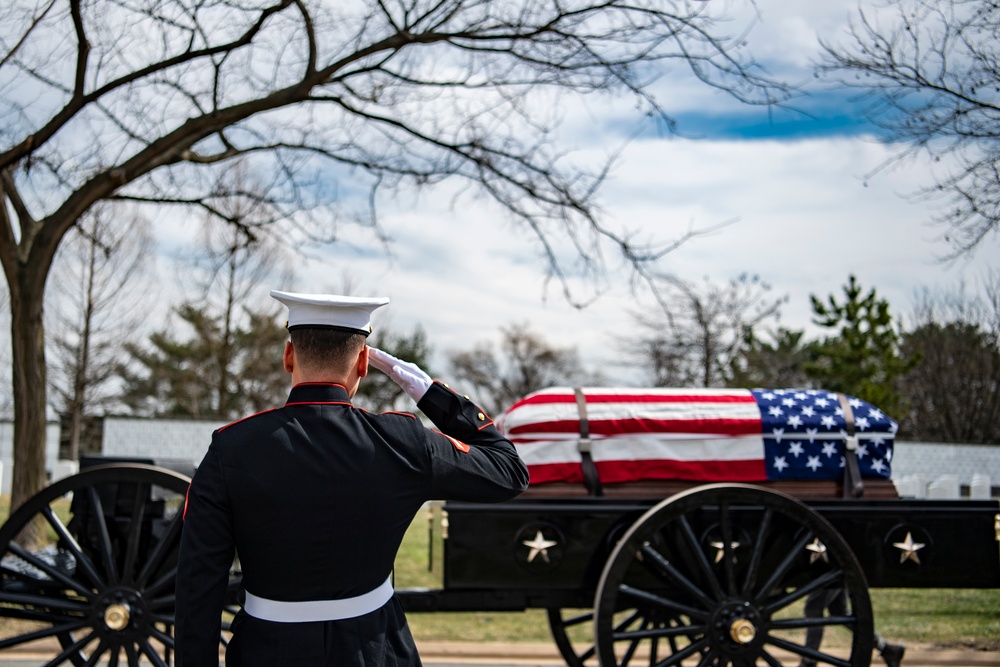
column 414, row 381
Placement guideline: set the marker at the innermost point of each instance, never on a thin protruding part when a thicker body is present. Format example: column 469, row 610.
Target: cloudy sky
column 790, row 190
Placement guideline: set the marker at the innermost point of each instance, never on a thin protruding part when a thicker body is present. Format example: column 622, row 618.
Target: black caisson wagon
column 633, row 565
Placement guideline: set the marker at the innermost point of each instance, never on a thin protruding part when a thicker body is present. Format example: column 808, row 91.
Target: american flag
column 734, row 435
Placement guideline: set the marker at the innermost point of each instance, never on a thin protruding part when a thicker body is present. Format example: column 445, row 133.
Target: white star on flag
column 829, row 448
column 795, row 449
column 814, row 463
column 780, row 463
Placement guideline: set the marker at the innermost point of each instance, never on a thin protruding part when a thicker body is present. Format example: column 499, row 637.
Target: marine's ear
column 363, row 362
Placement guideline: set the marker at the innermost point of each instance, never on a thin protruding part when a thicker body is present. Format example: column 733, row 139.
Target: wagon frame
column 662, row 571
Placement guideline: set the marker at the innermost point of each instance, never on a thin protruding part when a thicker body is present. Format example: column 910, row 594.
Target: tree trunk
column 28, row 347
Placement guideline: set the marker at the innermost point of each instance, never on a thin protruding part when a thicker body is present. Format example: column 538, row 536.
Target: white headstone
column 64, row 468
column 979, row 488
column 944, row 487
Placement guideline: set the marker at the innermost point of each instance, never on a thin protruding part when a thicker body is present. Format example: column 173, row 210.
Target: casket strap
column 590, row 477
column 854, row 486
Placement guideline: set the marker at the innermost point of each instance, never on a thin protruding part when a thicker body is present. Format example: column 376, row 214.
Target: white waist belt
column 318, row 610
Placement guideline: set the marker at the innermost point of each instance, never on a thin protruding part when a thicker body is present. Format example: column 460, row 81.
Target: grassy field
column 938, row 618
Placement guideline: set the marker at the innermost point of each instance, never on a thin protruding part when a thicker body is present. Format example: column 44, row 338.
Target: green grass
column 939, row 617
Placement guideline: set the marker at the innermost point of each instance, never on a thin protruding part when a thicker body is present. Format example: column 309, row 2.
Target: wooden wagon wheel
column 91, row 560
column 563, row 620
column 732, row 574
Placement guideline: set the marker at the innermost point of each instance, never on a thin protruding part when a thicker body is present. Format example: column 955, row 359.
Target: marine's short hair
column 327, row 349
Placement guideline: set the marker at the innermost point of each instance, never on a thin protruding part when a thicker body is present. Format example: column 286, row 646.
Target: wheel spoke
column 824, row 581
column 164, row 636
column 135, row 532
column 164, row 582
column 41, row 634
column 807, row 652
column 53, row 572
column 577, row 620
column 165, row 602
column 131, row 655
column 71, row 649
column 758, row 551
column 817, row 622
column 768, row 658
column 147, row 649
column 628, row 621
column 49, row 617
column 107, row 550
column 727, row 547
column 96, row 655
column 653, row 633
column 782, row 569
column 633, row 644
column 661, row 602
column 706, row 659
column 683, row 654
column 42, row 602
column 82, row 561
column 666, row 569
column 699, row 554
column 159, row 553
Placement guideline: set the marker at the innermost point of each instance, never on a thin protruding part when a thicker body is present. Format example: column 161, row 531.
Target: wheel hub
column 116, row 616
column 736, row 627
column 742, row 631
column 120, row 613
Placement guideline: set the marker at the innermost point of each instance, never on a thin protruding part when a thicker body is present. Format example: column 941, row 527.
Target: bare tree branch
column 930, row 78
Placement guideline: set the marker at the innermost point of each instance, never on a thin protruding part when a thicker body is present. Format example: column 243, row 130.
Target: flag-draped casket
column 731, row 435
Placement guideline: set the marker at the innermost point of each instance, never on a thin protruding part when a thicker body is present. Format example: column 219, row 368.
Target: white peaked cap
column 329, row 311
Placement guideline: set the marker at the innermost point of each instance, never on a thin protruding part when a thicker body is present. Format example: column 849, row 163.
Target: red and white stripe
column 689, row 434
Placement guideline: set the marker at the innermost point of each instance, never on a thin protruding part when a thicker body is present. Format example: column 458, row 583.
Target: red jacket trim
column 262, row 412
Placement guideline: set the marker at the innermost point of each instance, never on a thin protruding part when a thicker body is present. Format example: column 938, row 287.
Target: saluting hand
column 414, row 381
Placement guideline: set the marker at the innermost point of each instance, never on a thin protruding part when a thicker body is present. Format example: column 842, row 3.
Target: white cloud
column 803, row 220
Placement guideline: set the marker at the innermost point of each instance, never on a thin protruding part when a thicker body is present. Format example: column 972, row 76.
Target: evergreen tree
column 180, row 377
column 377, row 392
column 778, row 363
column 864, row 357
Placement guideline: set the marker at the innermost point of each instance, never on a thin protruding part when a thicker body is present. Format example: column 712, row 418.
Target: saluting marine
column 315, row 497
